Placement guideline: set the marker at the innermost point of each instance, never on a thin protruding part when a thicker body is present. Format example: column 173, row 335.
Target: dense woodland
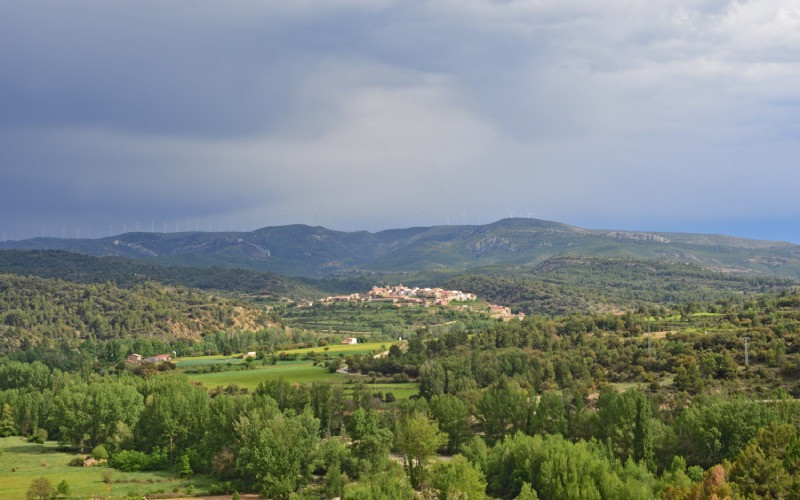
column 127, row 273
column 570, row 406
column 559, row 285
column 563, row 285
column 48, row 314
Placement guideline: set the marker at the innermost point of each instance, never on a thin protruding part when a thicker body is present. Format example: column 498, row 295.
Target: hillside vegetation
column 44, row 312
column 128, row 272
column 571, row 284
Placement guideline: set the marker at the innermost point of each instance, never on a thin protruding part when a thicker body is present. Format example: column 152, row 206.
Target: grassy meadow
column 22, row 462
column 300, row 371
column 296, row 372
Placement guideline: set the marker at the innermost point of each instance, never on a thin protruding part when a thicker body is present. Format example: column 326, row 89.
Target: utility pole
column 746, row 352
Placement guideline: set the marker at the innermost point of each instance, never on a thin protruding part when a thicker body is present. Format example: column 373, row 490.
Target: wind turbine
column 152, row 225
column 164, row 228
column 463, row 218
column 137, row 226
column 511, row 212
column 528, row 212
column 109, row 229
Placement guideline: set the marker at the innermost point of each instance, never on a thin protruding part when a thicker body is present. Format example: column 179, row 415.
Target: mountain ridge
column 303, row 250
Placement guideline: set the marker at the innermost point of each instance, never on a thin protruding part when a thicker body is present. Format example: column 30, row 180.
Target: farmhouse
column 350, row 341
column 135, row 358
column 158, row 358
column 251, row 354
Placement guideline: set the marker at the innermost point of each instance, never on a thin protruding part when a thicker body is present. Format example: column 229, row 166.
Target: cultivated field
column 301, row 371
column 296, row 372
column 22, row 462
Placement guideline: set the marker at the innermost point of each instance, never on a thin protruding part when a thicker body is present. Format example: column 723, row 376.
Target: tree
column 185, row 466
column 371, row 442
column 276, row 451
column 626, row 421
column 548, row 415
column 453, row 417
column 63, row 488
column 502, row 409
column 756, row 475
column 418, row 438
column 40, row 489
column 8, row 426
column 175, row 414
column 527, row 493
column 87, row 414
column 458, row 479
column 390, row 484
column 688, row 378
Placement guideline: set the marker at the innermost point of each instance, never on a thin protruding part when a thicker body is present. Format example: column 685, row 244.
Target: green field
column 335, row 349
column 345, row 348
column 300, row 372
column 400, row 391
column 22, row 462
column 218, row 359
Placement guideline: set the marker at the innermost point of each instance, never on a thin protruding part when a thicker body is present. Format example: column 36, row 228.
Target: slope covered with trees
column 127, row 272
column 47, row 313
column 577, row 406
column 574, row 284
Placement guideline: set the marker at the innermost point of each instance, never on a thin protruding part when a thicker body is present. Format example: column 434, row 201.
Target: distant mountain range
column 302, row 250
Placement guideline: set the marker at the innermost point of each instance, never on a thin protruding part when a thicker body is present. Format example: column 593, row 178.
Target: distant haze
column 182, row 115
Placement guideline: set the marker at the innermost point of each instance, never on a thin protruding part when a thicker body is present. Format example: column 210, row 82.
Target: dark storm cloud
column 388, row 113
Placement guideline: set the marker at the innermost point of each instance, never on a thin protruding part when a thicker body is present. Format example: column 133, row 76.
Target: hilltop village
column 403, row 296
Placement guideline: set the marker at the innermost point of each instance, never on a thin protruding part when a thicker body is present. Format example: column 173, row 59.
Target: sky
column 650, row 115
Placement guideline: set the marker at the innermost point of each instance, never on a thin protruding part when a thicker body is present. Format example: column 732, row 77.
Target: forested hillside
column 655, row 403
column 44, row 312
column 127, row 272
column 579, row 284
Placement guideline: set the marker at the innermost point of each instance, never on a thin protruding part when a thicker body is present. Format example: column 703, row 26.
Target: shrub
column 107, row 476
column 39, row 436
column 100, row 453
column 40, row 489
column 133, row 461
column 63, row 488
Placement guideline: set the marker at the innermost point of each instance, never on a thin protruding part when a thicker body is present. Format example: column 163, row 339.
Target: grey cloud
column 388, row 111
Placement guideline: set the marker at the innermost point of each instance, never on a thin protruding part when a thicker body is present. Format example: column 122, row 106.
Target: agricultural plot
column 208, row 360
column 385, row 320
column 345, row 349
column 296, row 372
column 400, row 391
column 22, row 462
